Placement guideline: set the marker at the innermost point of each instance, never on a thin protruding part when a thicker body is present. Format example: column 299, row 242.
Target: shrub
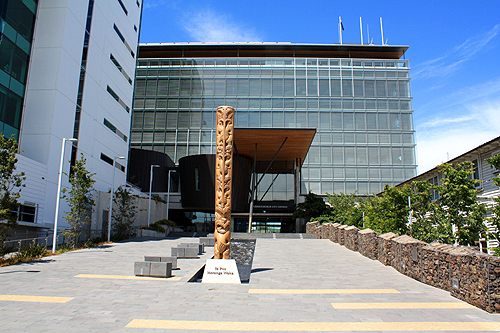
column 166, row 222
column 32, row 251
column 156, row 227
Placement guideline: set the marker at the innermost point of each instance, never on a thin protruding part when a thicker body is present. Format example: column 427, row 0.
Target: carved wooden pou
column 223, row 175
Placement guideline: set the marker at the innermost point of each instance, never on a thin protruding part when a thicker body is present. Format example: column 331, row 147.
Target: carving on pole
column 223, row 180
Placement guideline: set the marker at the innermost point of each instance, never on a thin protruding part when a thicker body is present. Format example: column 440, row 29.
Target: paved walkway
column 296, row 285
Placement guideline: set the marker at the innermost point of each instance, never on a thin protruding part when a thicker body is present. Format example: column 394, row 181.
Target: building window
column 27, row 213
column 106, row 159
column 118, row 32
column 120, row 68
column 119, row 167
column 118, row 99
column 435, row 194
column 123, row 7
column 113, row 128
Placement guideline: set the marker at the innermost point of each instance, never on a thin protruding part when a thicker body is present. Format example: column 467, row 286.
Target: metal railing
column 13, row 245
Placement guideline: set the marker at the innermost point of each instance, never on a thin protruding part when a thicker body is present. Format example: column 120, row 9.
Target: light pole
column 110, row 213
column 150, row 189
column 168, row 191
column 54, row 242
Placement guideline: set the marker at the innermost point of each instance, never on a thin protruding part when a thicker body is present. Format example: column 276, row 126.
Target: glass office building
column 17, row 19
column 357, row 97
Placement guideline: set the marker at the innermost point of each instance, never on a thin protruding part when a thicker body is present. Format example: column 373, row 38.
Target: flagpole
column 340, row 29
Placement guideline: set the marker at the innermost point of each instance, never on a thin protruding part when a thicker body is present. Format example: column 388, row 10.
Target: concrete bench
column 172, row 260
column 207, row 241
column 153, row 269
column 200, row 247
column 185, row 252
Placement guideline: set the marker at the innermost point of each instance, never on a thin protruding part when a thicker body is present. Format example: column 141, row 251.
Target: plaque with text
column 221, row 271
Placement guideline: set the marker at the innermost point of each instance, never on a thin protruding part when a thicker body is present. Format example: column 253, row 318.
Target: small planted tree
column 345, row 209
column 80, row 200
column 459, row 208
column 494, row 161
column 124, row 212
column 10, row 185
column 389, row 212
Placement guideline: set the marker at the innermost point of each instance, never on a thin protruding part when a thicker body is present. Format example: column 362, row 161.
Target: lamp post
column 110, row 213
column 54, row 242
column 168, row 191
column 150, row 189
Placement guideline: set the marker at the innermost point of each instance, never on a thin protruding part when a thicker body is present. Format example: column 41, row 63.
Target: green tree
column 425, row 222
column 459, row 207
column 80, row 200
column 313, row 206
column 10, row 185
column 345, row 209
column 124, row 212
column 494, row 162
column 389, row 212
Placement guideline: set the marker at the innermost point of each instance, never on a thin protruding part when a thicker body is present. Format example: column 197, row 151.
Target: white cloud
column 436, row 147
column 451, row 62
column 441, row 139
column 206, row 25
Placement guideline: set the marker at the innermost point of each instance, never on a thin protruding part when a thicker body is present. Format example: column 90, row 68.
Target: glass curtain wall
column 17, row 19
column 360, row 108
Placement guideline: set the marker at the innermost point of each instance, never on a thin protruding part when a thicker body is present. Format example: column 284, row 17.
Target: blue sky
column 454, row 52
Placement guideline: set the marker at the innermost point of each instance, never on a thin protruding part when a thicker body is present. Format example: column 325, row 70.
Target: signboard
column 221, row 271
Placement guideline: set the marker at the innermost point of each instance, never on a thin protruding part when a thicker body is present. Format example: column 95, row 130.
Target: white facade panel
column 52, row 92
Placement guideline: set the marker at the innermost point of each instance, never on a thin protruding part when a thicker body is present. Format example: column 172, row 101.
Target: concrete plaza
column 295, row 285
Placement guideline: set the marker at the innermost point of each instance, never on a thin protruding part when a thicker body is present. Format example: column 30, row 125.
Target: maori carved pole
column 223, row 180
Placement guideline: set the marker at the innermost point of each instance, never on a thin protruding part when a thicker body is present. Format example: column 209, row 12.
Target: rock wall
column 351, row 238
column 367, row 243
column 467, row 274
column 385, row 254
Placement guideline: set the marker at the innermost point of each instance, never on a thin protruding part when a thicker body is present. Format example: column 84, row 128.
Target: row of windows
column 20, row 15
column 343, row 155
column 362, row 173
column 346, row 155
column 13, row 60
column 110, row 161
column 120, row 35
column 287, row 104
column 196, row 73
column 120, row 68
column 334, row 120
column 273, row 62
column 194, row 137
column 113, row 128
column 360, row 187
column 272, row 87
column 117, row 98
column 10, row 108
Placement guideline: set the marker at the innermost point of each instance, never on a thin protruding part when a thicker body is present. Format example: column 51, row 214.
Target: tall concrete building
column 356, row 97
column 67, row 72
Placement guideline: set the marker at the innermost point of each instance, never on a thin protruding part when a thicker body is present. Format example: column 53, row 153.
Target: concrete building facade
column 79, row 84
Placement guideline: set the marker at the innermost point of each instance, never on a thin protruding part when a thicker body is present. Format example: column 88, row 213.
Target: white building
column 79, row 85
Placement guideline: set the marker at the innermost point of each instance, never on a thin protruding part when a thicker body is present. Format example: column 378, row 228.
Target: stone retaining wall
column 467, row 274
column 384, row 245
column 351, row 238
column 367, row 243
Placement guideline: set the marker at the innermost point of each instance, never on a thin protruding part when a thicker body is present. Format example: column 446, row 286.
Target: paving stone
column 109, row 305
